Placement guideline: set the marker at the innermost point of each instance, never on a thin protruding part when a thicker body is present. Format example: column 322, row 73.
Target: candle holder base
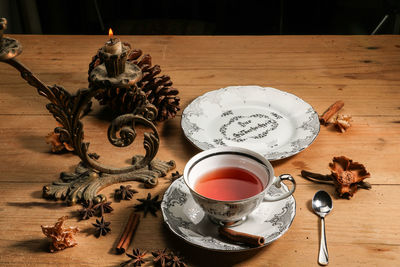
column 85, row 183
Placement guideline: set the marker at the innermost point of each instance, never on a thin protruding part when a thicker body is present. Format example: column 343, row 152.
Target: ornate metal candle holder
column 90, row 175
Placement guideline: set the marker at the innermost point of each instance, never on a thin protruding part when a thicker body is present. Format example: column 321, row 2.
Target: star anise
column 87, row 211
column 124, row 193
column 174, row 176
column 103, row 207
column 148, row 205
column 161, row 257
column 137, row 258
column 176, row 261
column 102, row 227
column 94, row 155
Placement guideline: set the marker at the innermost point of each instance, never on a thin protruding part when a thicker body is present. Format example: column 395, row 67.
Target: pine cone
column 158, row 89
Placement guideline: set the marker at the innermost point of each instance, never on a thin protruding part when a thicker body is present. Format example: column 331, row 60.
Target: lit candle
column 114, row 55
column 114, row 45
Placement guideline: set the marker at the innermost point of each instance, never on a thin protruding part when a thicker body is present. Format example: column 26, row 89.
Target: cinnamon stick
column 248, row 239
column 128, row 233
column 332, row 110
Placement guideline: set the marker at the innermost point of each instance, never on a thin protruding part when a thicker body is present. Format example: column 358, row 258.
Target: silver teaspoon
column 322, row 205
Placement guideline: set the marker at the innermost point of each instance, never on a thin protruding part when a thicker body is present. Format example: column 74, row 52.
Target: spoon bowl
column 322, row 205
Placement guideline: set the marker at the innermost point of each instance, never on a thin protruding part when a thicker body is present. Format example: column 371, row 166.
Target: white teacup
column 232, row 212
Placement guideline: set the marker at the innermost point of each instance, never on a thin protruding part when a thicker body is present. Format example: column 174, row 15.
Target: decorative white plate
column 271, row 122
column 187, row 220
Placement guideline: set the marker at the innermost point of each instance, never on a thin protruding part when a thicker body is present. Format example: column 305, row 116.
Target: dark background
column 201, row 17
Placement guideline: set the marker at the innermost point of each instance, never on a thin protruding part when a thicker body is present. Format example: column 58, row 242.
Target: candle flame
column 110, row 33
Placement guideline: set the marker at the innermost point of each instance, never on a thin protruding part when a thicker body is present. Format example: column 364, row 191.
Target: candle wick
column 110, row 42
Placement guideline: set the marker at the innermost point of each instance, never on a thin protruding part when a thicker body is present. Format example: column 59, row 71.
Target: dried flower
column 124, row 192
column 137, row 258
column 342, row 122
column 87, row 211
column 347, row 175
column 103, row 207
column 102, row 227
column 62, row 237
column 148, row 205
column 161, row 257
column 57, row 145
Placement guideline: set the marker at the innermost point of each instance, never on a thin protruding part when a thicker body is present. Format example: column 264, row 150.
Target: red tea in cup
column 228, row 184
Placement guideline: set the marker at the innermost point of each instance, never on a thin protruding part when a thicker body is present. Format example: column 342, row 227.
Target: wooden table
column 363, row 71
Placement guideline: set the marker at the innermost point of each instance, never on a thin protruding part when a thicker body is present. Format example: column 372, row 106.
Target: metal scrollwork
column 148, row 111
column 91, row 175
column 125, row 125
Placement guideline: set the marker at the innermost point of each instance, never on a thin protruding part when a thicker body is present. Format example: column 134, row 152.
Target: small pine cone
column 158, row 89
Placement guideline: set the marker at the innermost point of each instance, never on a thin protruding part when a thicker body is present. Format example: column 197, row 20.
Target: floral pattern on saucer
column 188, row 221
column 271, row 122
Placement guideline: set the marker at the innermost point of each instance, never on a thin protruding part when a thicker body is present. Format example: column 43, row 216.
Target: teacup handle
column 277, row 183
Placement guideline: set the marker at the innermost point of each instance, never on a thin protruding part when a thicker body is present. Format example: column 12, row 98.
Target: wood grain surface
column 363, row 71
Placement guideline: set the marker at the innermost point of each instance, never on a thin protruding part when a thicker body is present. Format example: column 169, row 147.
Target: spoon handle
column 323, row 257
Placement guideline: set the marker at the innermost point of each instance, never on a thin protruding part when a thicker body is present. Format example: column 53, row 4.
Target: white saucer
column 271, row 122
column 188, row 221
